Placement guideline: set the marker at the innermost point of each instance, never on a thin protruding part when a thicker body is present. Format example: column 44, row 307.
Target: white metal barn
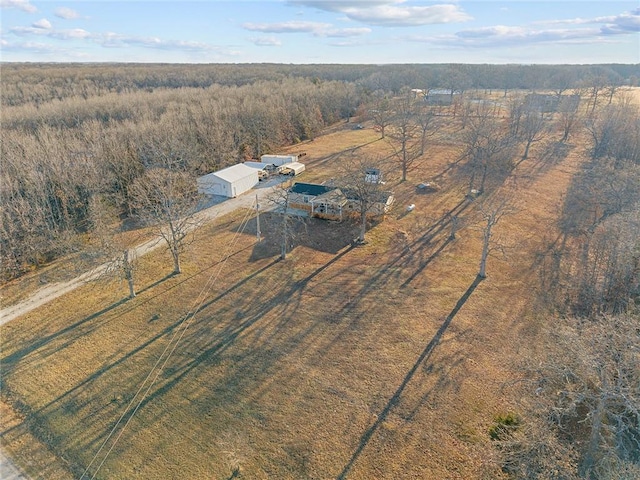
column 278, row 160
column 228, row 182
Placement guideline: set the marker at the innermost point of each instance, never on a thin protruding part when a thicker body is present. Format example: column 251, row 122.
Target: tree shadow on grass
column 393, row 401
column 10, row 360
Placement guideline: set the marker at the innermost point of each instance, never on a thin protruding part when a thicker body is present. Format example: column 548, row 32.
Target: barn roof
column 258, row 165
column 235, row 172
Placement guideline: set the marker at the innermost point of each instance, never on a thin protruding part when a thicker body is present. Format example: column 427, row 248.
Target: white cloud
column 73, row 34
column 43, row 23
column 287, row 27
column 43, row 28
column 390, row 13
column 627, row 22
column 315, row 28
column 32, row 47
column 66, row 13
column 266, row 41
column 570, row 31
column 23, row 5
column 501, row 36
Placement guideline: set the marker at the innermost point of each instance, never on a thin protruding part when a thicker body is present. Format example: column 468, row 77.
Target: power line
column 185, row 323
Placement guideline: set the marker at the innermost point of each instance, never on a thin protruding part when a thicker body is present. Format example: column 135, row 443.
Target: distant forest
column 74, row 135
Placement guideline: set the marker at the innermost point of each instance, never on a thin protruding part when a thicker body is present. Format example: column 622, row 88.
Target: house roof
column 334, row 197
column 235, row 172
column 311, row 189
column 380, row 196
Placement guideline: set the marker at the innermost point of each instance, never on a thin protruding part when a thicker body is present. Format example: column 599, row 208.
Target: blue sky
column 321, row 31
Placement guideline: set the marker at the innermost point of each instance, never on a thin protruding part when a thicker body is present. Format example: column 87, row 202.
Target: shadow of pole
column 426, row 353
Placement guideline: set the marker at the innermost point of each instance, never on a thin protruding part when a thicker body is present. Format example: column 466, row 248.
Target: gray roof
column 235, row 172
column 311, row 189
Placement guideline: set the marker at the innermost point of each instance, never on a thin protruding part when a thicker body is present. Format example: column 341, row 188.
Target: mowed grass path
column 381, row 361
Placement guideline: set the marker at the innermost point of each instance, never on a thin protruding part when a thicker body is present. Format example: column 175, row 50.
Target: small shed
column 278, row 160
column 229, row 182
column 293, row 169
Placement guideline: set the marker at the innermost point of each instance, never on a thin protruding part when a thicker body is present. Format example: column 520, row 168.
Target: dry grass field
column 382, row 361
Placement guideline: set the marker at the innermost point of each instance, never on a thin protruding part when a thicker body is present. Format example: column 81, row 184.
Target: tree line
column 41, row 83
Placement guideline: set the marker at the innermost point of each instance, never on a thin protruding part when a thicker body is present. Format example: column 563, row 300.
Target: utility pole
column 257, row 218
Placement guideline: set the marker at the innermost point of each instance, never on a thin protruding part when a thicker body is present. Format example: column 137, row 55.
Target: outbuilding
column 278, row 160
column 229, row 182
column 293, row 169
column 264, row 169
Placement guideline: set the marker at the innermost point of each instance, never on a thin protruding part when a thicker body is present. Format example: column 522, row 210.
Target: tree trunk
column 285, row 234
column 591, row 455
column 128, row 273
column 176, row 260
column 363, row 223
column 526, row 151
column 482, row 273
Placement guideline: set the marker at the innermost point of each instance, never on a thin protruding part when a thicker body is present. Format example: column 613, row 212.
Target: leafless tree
column 568, row 120
column 492, row 211
column 279, row 198
column 488, row 149
column 588, row 386
column 381, row 111
column 403, row 135
column 533, row 129
column 429, row 123
column 167, row 199
column 367, row 190
column 120, row 259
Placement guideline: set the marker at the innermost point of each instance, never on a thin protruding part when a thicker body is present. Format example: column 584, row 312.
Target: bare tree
column 403, row 136
column 488, row 149
column 167, row 199
column 587, row 384
column 532, row 130
column 381, row 111
column 568, row 119
column 492, row 211
column 121, row 260
column 279, row 198
column 364, row 188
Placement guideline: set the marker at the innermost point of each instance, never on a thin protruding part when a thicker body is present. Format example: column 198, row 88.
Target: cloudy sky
column 321, row 31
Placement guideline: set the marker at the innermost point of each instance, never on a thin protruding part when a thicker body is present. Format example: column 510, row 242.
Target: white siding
column 229, row 182
column 278, row 160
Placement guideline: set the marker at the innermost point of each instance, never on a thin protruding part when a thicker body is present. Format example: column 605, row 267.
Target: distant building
column 441, row 96
column 228, row 182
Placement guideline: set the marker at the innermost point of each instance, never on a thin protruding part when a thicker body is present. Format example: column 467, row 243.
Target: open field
column 388, row 360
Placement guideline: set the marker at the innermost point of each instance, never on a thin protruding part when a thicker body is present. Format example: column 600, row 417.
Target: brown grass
column 383, row 361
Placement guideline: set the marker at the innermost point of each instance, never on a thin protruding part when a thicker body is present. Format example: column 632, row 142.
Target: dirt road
column 8, row 471
column 219, row 207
